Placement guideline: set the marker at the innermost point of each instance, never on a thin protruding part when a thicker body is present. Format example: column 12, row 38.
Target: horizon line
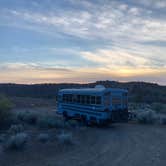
column 42, row 83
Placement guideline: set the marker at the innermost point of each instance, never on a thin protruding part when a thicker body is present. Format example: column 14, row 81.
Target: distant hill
column 138, row 91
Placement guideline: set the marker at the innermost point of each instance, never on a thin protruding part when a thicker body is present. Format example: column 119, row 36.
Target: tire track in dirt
column 127, row 144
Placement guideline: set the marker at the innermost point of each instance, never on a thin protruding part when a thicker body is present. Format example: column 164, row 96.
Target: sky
column 53, row 41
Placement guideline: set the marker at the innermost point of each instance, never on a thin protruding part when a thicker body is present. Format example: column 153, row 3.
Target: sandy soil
column 117, row 145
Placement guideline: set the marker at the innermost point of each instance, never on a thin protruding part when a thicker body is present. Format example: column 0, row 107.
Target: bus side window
column 74, row 98
column 70, row 98
column 92, row 99
column 98, row 99
column 78, row 99
column 82, row 99
column 67, row 98
column 64, row 98
column 87, row 99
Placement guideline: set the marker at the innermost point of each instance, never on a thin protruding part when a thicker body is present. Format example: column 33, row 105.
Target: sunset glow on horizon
column 81, row 41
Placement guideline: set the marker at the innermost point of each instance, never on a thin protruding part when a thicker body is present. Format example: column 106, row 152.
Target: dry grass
column 15, row 129
column 5, row 106
column 65, row 138
column 16, row 141
column 43, row 137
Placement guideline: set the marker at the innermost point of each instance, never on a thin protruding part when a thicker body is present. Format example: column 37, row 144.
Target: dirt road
column 117, row 145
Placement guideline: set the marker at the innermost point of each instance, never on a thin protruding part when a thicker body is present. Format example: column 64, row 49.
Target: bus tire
column 66, row 117
column 86, row 121
column 125, row 117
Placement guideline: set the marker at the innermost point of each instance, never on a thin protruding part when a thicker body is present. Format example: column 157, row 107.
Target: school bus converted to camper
column 94, row 105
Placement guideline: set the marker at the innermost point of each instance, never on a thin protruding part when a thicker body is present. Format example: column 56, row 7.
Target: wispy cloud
column 32, row 66
column 108, row 21
column 116, row 59
column 153, row 3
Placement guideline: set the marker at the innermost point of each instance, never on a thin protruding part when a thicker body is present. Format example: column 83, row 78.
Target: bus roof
column 92, row 90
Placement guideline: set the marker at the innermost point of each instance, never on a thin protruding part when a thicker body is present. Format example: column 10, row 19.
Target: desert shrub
column 50, row 122
column 21, row 116
column 65, row 138
column 159, row 107
column 58, row 123
column 162, row 120
column 15, row 129
column 28, row 117
column 2, row 137
column 16, row 141
column 146, row 117
column 45, row 122
column 43, row 137
column 5, row 106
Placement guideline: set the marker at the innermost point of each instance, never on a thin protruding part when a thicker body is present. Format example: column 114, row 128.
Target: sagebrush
column 147, row 117
column 15, row 129
column 17, row 141
column 5, row 107
column 43, row 137
column 48, row 121
column 65, row 138
column 28, row 117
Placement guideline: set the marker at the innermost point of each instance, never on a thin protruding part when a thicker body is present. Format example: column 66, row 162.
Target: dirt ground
column 116, row 145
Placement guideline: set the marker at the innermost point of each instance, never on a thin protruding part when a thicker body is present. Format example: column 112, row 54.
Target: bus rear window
column 88, row 99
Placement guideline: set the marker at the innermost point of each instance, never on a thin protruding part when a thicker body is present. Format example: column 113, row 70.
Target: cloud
column 115, row 59
column 111, row 38
column 113, row 20
column 132, row 56
column 153, row 3
column 31, row 67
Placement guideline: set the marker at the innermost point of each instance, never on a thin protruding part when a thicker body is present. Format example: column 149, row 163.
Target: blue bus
column 98, row 105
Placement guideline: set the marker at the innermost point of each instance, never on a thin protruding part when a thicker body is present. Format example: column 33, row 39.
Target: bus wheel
column 102, row 123
column 85, row 120
column 65, row 116
column 88, row 122
column 125, row 117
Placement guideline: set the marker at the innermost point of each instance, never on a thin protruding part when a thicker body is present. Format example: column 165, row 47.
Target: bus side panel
column 87, row 112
